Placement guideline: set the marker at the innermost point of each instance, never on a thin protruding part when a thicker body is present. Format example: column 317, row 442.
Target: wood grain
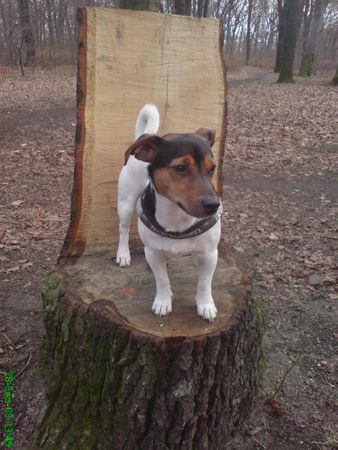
column 129, row 293
column 127, row 59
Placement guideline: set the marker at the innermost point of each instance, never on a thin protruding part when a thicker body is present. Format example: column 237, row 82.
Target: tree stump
column 117, row 376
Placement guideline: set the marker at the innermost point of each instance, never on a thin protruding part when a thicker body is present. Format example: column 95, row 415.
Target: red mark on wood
column 125, row 292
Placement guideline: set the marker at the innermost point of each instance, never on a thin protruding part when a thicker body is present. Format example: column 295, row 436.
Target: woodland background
column 44, row 32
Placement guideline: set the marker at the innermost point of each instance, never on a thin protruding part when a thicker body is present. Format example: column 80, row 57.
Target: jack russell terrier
column 169, row 181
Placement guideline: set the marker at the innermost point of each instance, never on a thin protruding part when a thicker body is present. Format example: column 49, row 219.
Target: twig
column 8, row 340
column 17, row 420
column 261, row 445
column 279, row 387
column 21, row 371
column 20, row 58
column 318, row 444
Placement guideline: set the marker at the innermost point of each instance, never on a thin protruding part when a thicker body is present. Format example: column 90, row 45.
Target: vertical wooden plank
column 133, row 58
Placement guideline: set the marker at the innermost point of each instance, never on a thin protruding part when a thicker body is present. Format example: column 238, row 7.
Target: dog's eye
column 182, row 170
column 212, row 170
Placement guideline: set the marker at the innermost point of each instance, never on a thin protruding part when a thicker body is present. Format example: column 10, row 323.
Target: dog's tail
column 148, row 121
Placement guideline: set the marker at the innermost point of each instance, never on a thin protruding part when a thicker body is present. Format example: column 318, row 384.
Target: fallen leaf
column 13, row 269
column 275, row 407
column 125, row 292
column 17, row 202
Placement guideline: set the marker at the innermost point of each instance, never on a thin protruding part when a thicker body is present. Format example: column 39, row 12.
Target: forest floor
column 279, row 215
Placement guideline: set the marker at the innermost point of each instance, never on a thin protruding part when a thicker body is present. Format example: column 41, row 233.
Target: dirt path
column 279, row 214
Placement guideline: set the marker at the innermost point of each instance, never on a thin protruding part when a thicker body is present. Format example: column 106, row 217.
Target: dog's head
column 181, row 168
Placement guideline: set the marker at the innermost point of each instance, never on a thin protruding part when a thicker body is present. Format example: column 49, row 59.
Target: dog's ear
column 144, row 149
column 207, row 134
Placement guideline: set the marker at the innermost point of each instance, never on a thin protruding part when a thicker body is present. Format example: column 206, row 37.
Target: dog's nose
column 210, row 204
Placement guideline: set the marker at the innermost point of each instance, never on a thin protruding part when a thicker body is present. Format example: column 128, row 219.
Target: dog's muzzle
column 145, row 209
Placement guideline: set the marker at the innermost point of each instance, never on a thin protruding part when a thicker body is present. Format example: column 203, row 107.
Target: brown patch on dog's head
column 186, row 178
column 181, row 168
column 207, row 134
column 144, row 149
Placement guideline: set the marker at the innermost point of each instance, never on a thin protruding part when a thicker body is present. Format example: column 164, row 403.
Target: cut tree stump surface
column 129, row 292
column 119, row 377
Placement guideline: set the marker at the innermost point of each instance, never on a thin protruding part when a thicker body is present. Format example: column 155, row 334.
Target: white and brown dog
column 170, row 180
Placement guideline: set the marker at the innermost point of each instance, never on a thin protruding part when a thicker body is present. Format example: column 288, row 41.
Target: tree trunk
column 292, row 11
column 307, row 14
column 141, row 5
column 248, row 42
column 119, row 377
column 27, row 33
column 200, row 8
column 183, row 7
column 281, row 31
column 334, row 80
column 51, row 41
column 206, row 8
column 308, row 57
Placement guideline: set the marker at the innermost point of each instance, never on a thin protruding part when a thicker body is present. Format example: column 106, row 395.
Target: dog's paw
column 207, row 311
column 162, row 307
column 123, row 258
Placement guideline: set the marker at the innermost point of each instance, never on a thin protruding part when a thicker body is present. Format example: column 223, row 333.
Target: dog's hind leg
column 158, row 263
column 126, row 208
column 205, row 304
column 131, row 183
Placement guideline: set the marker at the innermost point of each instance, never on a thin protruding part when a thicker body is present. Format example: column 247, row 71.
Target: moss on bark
column 110, row 387
column 334, row 80
column 307, row 67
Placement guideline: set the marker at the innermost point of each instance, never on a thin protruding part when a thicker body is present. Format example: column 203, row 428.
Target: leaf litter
column 279, row 214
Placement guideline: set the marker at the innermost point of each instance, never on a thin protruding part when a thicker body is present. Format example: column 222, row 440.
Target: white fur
column 148, row 121
column 132, row 181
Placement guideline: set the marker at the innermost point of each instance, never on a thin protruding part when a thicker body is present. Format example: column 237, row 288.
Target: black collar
column 146, row 213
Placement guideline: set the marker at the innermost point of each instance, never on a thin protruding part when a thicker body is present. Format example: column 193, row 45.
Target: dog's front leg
column 158, row 263
column 205, row 304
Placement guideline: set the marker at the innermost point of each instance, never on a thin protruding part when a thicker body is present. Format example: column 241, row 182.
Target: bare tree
column 183, row 7
column 308, row 57
column 292, row 20
column 334, row 80
column 142, row 5
column 281, row 32
column 27, row 33
column 248, row 42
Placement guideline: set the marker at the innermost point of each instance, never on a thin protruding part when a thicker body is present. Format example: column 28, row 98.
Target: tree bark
column 117, row 377
column 141, row 5
column 334, row 80
column 292, row 12
column 51, row 39
column 308, row 57
column 27, row 33
column 281, row 31
column 248, row 37
column 183, row 7
column 200, row 8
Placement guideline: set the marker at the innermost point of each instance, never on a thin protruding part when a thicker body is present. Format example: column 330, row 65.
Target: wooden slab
column 129, row 293
column 127, row 59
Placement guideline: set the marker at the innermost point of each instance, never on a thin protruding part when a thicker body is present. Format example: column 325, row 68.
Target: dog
column 169, row 181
